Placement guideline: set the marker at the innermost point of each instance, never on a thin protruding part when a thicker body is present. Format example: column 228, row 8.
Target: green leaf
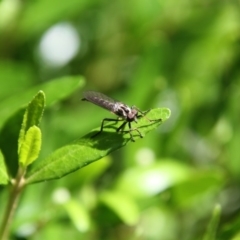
column 87, row 149
column 9, row 135
column 54, row 90
column 78, row 214
column 213, row 224
column 30, row 146
column 123, row 205
column 3, row 171
column 138, row 181
column 198, row 185
column 32, row 116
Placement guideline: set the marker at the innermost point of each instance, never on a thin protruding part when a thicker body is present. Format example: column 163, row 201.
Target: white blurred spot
column 169, row 99
column 59, row 45
column 26, row 229
column 223, row 130
column 154, row 182
column 145, row 156
column 61, row 196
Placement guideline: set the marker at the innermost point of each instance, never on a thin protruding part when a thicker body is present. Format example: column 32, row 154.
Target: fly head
column 132, row 114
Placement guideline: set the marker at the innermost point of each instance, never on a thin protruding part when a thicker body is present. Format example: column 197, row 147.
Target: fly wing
column 100, row 99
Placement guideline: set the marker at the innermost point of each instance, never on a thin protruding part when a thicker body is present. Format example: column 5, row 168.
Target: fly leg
column 102, row 125
column 130, row 130
column 143, row 114
column 135, row 129
column 122, row 127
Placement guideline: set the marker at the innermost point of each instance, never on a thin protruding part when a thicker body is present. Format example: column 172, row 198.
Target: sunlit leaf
column 147, row 181
column 32, row 116
column 87, row 149
column 31, row 146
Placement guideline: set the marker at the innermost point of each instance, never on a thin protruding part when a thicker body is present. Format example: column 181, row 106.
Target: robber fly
column 124, row 112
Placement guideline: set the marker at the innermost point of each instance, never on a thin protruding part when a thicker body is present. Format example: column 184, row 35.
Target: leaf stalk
column 17, row 187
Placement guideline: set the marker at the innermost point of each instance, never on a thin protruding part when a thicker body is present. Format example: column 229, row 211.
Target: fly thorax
column 121, row 110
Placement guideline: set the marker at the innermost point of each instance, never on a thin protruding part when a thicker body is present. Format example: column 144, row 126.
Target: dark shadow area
column 9, row 141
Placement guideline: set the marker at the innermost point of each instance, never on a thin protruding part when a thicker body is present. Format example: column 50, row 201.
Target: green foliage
column 56, row 90
column 86, row 150
column 32, row 116
column 66, row 159
column 3, row 176
column 213, row 225
column 30, row 146
column 177, row 55
column 29, row 141
column 123, row 205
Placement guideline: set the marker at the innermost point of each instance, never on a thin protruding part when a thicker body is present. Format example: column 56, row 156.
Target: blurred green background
column 183, row 55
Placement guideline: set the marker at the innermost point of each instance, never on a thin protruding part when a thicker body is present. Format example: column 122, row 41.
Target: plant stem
column 12, row 204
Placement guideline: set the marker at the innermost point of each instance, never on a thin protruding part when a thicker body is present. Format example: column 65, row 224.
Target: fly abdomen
column 100, row 99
